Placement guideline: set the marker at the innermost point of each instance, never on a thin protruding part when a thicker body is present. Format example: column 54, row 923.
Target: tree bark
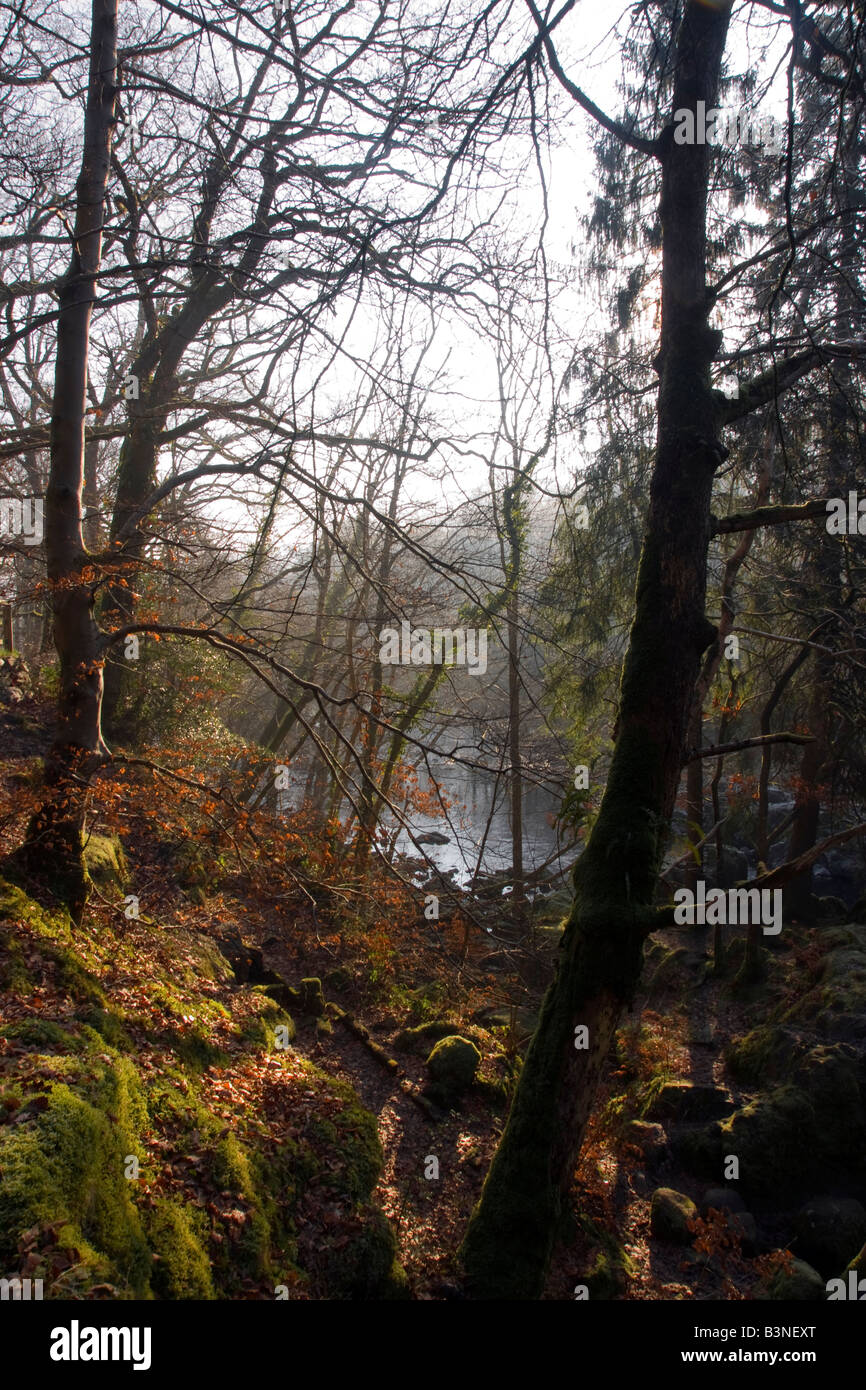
column 510, row 1237
column 54, row 839
column 515, row 778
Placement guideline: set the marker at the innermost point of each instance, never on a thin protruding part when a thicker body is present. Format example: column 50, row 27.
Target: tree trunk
column 515, row 783
column 804, row 831
column 510, row 1237
column 54, row 838
column 695, row 801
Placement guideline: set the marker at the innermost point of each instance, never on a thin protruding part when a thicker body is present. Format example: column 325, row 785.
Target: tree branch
column 637, row 142
column 783, row 375
column 767, row 516
column 720, row 749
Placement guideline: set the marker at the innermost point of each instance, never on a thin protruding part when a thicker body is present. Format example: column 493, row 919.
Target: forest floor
column 189, row 1026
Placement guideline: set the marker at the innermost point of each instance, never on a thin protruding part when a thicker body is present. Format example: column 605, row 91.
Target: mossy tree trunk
column 54, row 839
column 510, row 1237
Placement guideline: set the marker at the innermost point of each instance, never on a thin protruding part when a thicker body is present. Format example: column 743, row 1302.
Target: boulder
column 670, row 1213
column 829, row 1232
column 312, row 1000
column 792, row 1136
column 420, row 1038
column 453, row 1063
column 836, row 1004
column 722, row 1199
column 765, row 1054
column 688, row 1100
column 105, row 861
column 799, row 1284
column 246, row 961
column 651, row 1139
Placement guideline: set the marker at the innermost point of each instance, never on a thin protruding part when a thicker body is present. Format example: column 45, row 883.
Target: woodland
column 432, row 736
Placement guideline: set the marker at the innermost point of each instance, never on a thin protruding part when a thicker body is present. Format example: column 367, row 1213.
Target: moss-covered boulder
column 688, row 1100
column 699, row 1150
column 670, row 1214
column 650, row 1138
column 453, row 1063
column 419, row 1038
column 207, row 1209
column 764, row 1055
column 364, row 1266
column 312, row 998
column 181, row 1267
column 829, row 1232
column 794, row 1135
column 63, row 1164
column 798, row 1283
column 835, row 1006
column 722, row 1199
column 105, row 861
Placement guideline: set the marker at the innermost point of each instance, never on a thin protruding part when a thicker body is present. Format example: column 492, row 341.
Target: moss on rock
column 670, row 1214
column 799, row 1283
column 181, row 1268
column 64, row 1155
column 419, row 1038
column 105, row 861
column 64, row 1165
column 361, row 1267
column 830, row 1231
column 453, row 1063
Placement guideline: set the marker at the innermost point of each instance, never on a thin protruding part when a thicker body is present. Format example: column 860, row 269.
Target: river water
column 469, row 821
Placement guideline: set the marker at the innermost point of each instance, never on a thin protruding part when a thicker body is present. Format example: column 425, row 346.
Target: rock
column 435, row 837
column 808, row 1130
column 723, row 1199
column 419, row 1038
column 830, row 1232
column 106, row 862
column 836, row 1004
column 670, row 1213
column 764, row 1055
column 672, row 960
column 699, row 1149
column 312, row 999
column 453, row 1063
column 830, row 909
column 686, row 1100
column 800, row 1284
column 651, row 1139
column 525, row 1020
column 247, row 962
